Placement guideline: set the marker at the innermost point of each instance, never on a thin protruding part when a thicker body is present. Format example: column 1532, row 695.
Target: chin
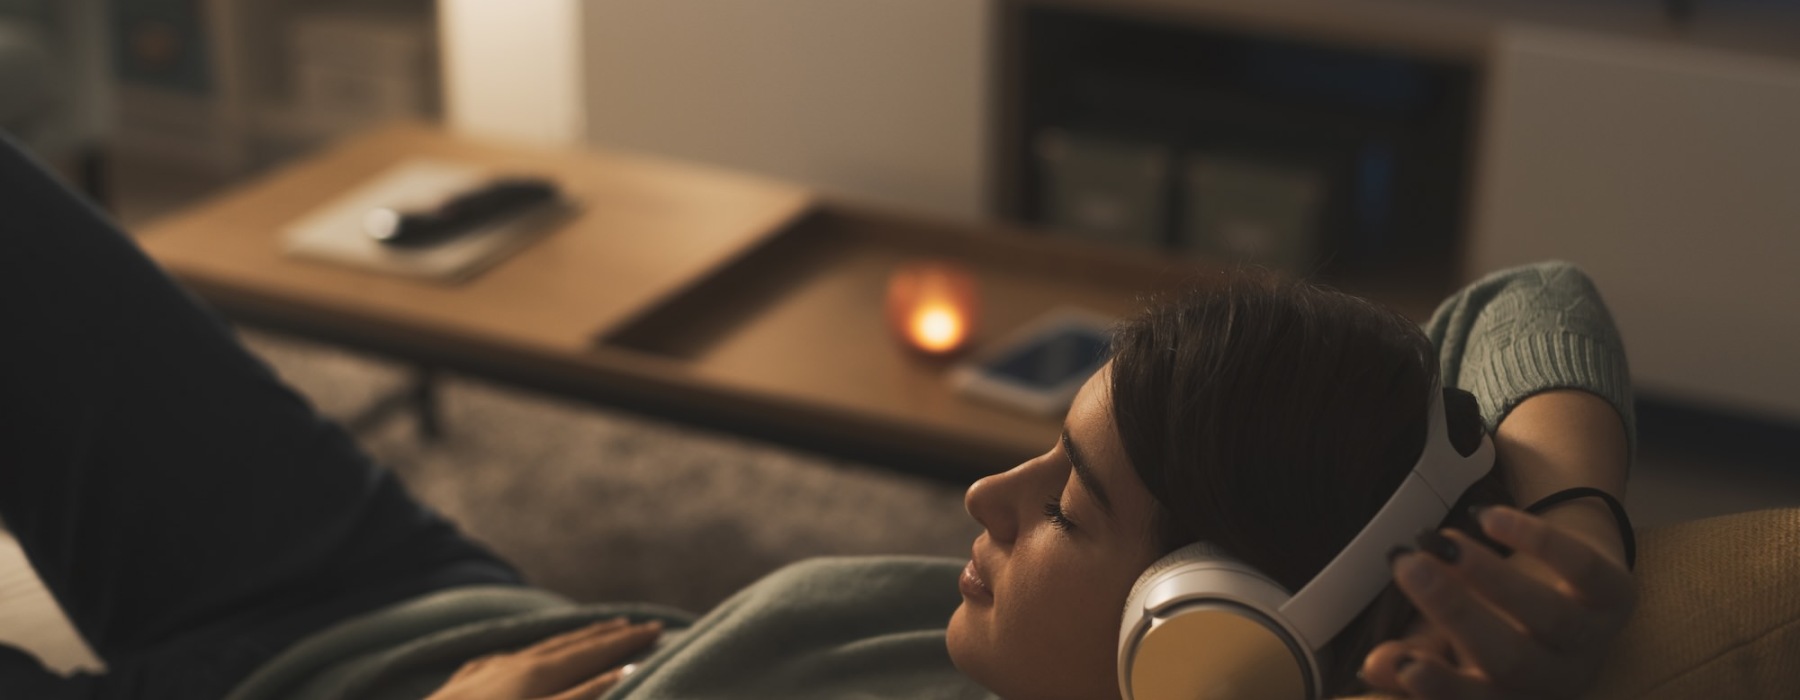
column 958, row 638
column 965, row 646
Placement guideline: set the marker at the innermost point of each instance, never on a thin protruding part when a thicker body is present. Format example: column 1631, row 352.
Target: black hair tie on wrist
column 1626, row 536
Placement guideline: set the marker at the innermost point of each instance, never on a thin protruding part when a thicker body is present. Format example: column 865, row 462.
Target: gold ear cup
column 1210, row 653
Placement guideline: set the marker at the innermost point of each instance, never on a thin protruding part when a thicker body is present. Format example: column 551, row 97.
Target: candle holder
column 933, row 306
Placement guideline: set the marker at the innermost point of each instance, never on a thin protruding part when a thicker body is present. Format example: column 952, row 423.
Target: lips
column 974, row 588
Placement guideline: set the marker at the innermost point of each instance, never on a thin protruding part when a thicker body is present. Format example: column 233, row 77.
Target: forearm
column 1563, row 439
column 1539, row 350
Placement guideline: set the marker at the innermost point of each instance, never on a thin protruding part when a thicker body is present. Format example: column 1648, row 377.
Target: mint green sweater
column 874, row 627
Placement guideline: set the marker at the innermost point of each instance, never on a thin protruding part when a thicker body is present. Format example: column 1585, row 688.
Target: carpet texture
column 606, row 506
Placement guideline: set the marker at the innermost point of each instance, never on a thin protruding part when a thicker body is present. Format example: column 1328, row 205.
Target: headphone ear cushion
column 1198, row 551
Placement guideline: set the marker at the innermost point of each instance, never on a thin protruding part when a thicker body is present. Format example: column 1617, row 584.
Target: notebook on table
column 335, row 232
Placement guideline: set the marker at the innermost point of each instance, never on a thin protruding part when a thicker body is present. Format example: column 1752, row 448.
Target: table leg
column 420, row 395
column 425, row 403
column 92, row 174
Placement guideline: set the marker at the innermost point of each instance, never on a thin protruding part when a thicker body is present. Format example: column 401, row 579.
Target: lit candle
column 933, row 306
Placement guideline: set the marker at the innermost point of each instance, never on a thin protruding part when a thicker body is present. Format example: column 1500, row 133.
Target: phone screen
column 1051, row 359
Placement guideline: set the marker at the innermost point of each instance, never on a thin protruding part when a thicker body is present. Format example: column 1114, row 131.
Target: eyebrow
column 1084, row 474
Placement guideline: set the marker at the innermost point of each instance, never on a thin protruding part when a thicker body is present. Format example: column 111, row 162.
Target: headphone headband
column 1322, row 608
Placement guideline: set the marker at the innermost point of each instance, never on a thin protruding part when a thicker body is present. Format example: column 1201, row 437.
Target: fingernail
column 1438, row 545
column 1398, row 551
column 1495, row 521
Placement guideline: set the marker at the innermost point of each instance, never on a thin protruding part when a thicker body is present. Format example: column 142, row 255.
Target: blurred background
column 1411, row 145
column 1422, row 142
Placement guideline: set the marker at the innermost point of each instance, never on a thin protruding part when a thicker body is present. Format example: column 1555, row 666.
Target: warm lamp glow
column 932, row 306
column 937, row 328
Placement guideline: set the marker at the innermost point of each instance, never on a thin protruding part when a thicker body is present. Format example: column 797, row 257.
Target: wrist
column 1589, row 520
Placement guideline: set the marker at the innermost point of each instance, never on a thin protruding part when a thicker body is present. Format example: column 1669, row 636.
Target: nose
column 987, row 503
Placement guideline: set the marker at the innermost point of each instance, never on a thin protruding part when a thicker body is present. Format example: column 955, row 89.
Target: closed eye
column 1053, row 511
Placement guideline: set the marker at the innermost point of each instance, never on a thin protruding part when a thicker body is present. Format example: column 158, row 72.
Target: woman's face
column 1066, row 535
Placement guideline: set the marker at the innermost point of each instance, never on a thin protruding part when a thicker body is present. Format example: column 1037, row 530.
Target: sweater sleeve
column 1523, row 331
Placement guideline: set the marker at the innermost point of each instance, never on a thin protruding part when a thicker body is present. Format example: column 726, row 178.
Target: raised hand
column 1536, row 624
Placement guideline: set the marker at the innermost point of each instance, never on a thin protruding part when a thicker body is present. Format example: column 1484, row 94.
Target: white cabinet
column 880, row 99
column 1672, row 174
column 512, row 70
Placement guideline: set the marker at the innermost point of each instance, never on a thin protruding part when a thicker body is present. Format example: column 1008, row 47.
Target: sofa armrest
column 1718, row 612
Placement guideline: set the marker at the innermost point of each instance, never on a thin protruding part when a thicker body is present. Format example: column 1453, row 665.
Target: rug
column 603, row 505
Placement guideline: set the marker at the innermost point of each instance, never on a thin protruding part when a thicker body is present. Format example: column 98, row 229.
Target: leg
column 164, row 483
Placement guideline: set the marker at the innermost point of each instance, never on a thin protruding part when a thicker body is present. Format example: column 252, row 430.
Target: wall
column 880, row 99
column 1673, row 175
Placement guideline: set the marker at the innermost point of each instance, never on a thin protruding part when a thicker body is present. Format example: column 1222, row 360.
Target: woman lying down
column 210, row 536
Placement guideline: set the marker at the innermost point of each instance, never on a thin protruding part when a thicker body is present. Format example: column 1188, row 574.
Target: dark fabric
column 191, row 513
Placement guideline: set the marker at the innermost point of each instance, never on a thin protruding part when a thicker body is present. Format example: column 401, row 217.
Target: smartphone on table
column 1039, row 368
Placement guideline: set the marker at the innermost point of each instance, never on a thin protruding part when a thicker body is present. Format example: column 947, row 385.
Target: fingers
column 1431, row 679
column 1479, row 634
column 1544, row 612
column 588, row 656
column 574, row 636
column 1421, row 640
column 1381, row 667
column 593, row 687
column 1592, row 578
column 569, row 662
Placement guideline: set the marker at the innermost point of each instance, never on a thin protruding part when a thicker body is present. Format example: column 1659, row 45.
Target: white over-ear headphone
column 1200, row 624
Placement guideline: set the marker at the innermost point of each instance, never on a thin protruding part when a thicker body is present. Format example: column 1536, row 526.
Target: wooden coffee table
column 688, row 292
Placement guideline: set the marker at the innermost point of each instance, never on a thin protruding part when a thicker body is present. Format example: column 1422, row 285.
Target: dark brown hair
column 1273, row 418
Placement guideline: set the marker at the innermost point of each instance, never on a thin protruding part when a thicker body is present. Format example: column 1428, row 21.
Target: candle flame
column 937, row 328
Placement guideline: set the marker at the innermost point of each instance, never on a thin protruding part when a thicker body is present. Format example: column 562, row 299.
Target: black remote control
column 466, row 212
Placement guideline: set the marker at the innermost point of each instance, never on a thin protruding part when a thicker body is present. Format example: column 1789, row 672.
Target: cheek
column 1067, row 588
column 1063, row 614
